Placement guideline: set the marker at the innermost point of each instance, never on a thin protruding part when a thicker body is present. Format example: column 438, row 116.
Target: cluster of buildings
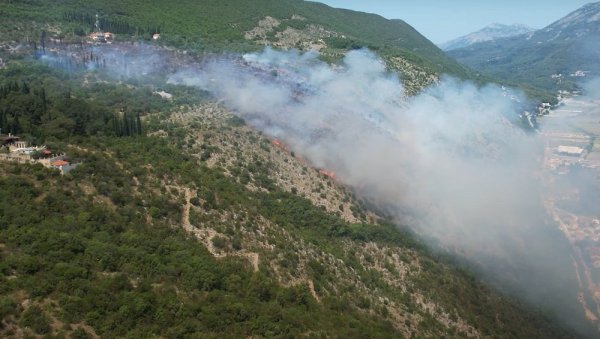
column 13, row 149
column 566, row 149
column 101, row 36
column 544, row 108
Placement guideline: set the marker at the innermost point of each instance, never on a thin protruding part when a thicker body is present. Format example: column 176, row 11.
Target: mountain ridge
column 488, row 33
column 554, row 57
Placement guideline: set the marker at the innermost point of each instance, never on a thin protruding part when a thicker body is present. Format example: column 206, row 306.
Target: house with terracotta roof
column 63, row 166
column 21, row 152
column 59, row 163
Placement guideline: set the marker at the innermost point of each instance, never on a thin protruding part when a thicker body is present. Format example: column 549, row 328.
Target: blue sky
column 443, row 20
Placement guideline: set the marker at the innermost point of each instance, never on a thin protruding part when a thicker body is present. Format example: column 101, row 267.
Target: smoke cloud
column 449, row 152
column 592, row 88
column 117, row 61
column 449, row 162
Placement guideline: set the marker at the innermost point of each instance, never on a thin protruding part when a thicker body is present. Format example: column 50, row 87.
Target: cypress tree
column 139, row 124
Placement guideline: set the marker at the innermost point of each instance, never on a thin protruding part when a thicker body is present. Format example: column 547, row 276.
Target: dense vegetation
column 85, row 262
column 41, row 103
column 219, row 25
column 104, row 264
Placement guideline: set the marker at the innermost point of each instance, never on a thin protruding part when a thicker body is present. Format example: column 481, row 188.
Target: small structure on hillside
column 98, row 35
column 155, row 36
column 544, row 108
column 164, row 95
column 18, row 146
column 20, row 152
column 63, row 166
column 7, row 140
column 101, row 36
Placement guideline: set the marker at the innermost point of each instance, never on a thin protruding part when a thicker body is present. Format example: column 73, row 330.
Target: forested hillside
column 234, row 25
column 199, row 224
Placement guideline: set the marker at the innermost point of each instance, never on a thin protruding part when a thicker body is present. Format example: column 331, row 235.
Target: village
column 13, row 149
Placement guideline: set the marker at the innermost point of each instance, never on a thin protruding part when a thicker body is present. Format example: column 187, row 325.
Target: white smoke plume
column 425, row 153
column 448, row 162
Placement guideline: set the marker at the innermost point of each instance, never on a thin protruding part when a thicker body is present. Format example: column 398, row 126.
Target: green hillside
column 187, row 227
column 221, row 25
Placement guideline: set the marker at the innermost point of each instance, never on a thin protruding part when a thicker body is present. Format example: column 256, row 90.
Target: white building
column 570, row 151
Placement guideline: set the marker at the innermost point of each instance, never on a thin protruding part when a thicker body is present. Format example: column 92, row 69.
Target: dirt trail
column 185, row 219
column 297, row 281
column 206, row 235
column 311, row 288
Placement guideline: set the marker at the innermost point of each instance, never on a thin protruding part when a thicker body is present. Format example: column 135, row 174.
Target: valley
column 572, row 189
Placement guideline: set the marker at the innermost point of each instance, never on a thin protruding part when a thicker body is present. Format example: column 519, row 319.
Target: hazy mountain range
column 488, row 33
column 556, row 56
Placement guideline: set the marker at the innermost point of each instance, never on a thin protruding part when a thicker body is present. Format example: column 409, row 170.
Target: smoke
column 449, row 162
column 449, row 152
column 117, row 61
column 591, row 89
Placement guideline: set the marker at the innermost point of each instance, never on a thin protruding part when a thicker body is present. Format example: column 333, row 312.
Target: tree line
column 28, row 109
column 109, row 25
column 19, row 101
column 126, row 125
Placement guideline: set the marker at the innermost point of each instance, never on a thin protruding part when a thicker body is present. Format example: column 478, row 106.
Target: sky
column 444, row 20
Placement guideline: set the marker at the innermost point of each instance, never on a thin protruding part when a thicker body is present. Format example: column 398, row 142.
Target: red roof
column 59, row 163
column 46, row 152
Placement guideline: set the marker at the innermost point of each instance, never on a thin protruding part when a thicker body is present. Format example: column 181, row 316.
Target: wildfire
column 279, row 144
column 329, row 174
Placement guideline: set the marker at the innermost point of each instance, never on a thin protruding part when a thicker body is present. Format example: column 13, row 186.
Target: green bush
column 35, row 318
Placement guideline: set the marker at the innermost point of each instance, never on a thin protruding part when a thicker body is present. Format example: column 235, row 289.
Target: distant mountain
column 488, row 33
column 555, row 57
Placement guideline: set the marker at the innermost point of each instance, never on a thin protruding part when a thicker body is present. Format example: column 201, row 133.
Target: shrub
column 35, row 318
